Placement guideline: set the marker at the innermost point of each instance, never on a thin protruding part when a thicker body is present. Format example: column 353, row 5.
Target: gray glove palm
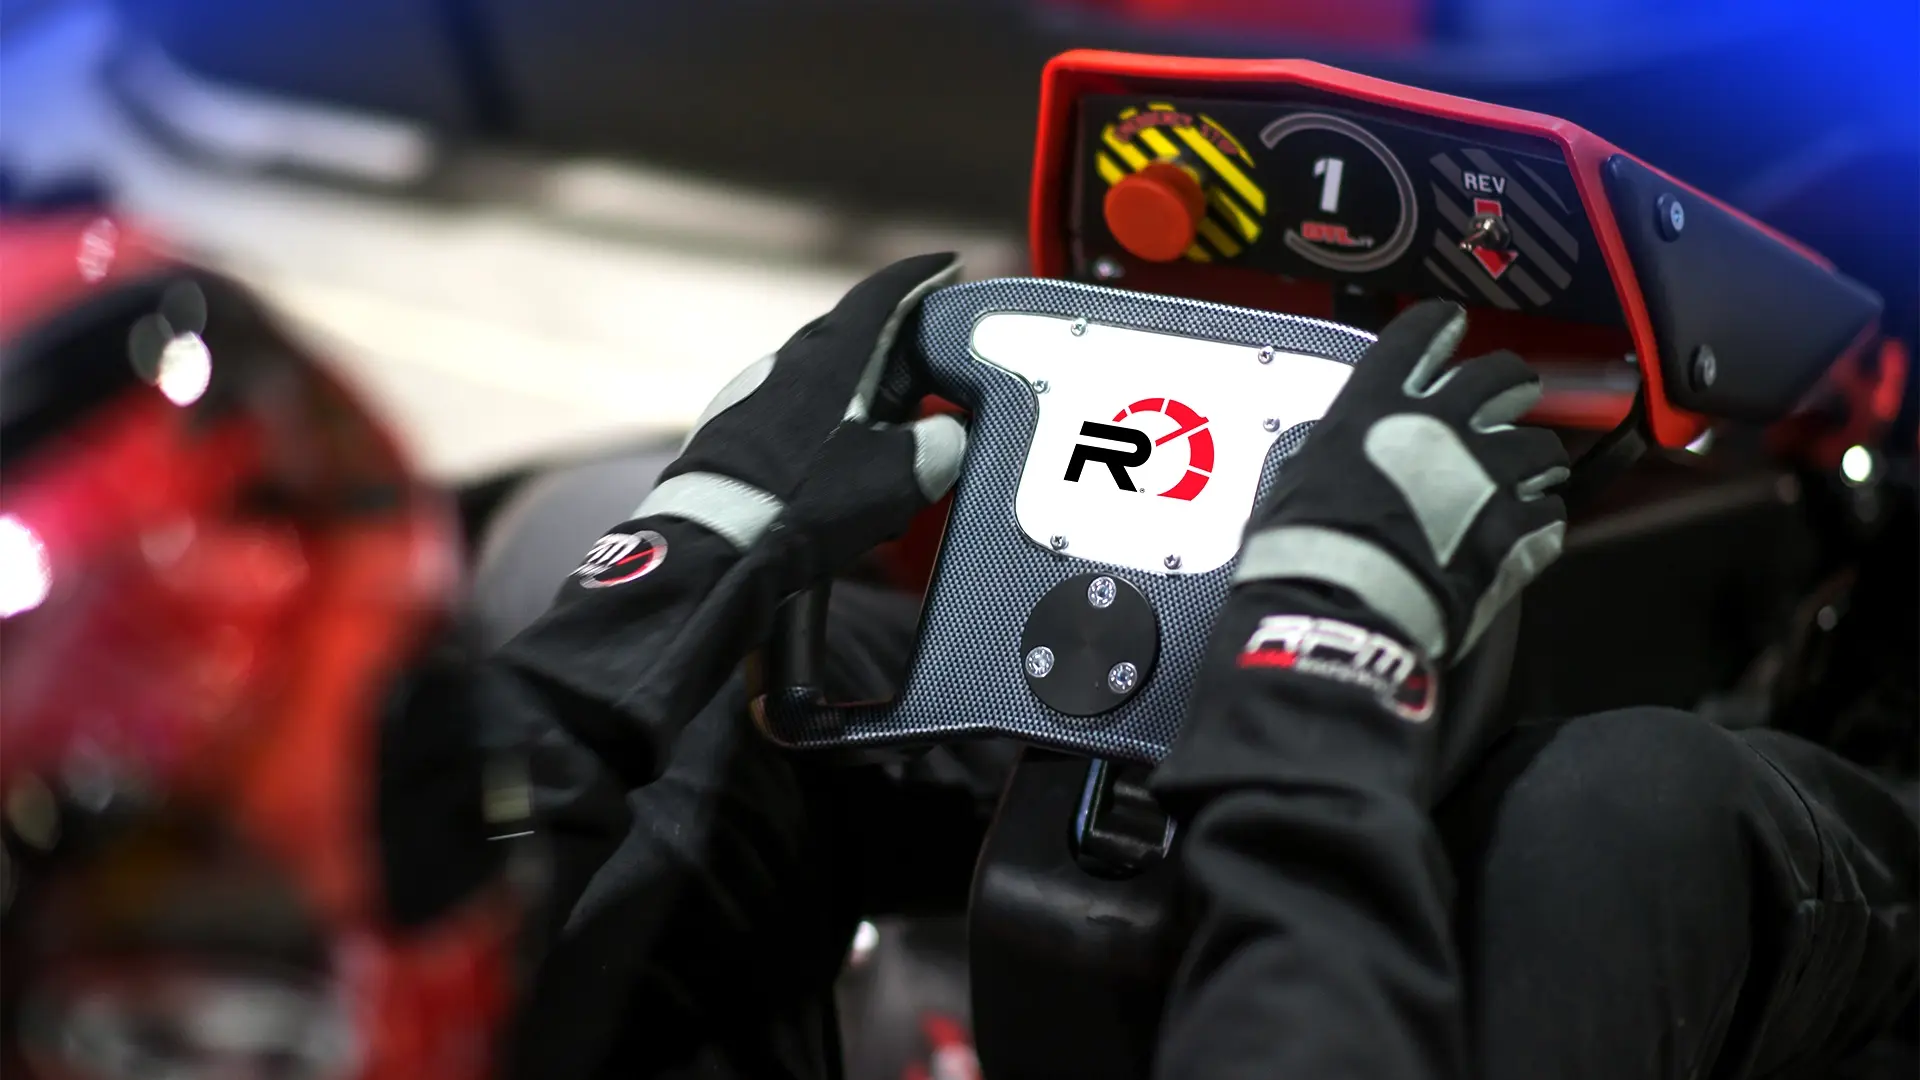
column 1448, row 519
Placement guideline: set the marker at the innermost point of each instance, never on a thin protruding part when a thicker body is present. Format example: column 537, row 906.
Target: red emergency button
column 1155, row 212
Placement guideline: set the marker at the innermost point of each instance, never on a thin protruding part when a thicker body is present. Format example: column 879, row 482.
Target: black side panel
column 1773, row 320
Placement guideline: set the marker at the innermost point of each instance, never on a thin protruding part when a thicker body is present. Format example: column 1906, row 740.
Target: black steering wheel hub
column 1089, row 644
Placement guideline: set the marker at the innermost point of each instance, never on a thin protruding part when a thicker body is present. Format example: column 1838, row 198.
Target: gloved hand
column 788, row 463
column 791, row 475
column 1413, row 515
column 1416, row 493
column 1415, row 512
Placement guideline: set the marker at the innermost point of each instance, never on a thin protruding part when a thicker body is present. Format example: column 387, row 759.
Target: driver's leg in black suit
column 1644, row 894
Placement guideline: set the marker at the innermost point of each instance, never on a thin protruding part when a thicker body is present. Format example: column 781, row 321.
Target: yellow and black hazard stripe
column 1236, row 204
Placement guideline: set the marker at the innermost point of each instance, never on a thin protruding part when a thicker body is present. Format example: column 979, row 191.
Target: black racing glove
column 1413, row 515
column 791, row 475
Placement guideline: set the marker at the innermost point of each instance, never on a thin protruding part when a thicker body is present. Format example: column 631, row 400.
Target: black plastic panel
column 1069, row 968
column 1774, row 320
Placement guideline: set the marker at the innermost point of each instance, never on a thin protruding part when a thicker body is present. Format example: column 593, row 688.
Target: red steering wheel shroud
column 1073, row 75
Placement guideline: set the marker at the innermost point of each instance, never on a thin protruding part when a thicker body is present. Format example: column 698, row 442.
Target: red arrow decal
column 1493, row 262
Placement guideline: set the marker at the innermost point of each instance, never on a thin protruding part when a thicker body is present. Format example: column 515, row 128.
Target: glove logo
column 1188, row 426
column 618, row 558
column 1343, row 652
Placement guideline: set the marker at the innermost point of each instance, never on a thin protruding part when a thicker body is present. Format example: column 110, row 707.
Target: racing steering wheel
column 1119, row 443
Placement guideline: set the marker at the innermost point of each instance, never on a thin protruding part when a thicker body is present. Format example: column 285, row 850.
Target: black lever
column 1119, row 829
column 1605, row 461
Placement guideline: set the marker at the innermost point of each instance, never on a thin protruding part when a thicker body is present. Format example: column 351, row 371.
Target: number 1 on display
column 1329, row 169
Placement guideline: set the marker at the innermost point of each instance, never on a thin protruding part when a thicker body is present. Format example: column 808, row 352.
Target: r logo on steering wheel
column 1188, row 425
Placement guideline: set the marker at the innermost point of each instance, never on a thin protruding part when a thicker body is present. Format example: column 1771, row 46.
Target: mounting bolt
column 1122, row 677
column 1106, row 268
column 1266, row 355
column 1058, row 543
column 1041, row 386
column 1271, row 423
column 1101, row 591
column 1705, row 369
column 1039, row 661
column 1079, row 327
column 1171, row 562
column 1669, row 217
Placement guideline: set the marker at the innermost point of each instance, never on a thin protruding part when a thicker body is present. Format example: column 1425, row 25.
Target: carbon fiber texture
column 966, row 677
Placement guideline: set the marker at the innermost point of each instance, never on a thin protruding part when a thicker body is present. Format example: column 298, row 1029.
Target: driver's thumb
column 939, row 445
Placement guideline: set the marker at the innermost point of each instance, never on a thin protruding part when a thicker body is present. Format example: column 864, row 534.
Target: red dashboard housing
column 1074, row 75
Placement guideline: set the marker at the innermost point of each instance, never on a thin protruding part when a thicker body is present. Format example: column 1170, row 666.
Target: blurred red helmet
column 215, row 570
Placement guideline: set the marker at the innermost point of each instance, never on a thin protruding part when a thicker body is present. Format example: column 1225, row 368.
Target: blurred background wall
column 536, row 226
column 504, row 299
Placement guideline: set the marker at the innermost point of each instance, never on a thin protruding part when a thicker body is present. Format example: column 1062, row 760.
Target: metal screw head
column 1079, row 327
column 1041, row 386
column 1101, row 591
column 1171, row 562
column 1266, row 356
column 1040, row 661
column 1106, row 268
column 1271, row 423
column 1058, row 543
column 1706, row 367
column 1122, row 677
column 1669, row 217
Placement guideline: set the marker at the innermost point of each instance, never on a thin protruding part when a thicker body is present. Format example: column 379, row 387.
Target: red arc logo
column 1188, row 425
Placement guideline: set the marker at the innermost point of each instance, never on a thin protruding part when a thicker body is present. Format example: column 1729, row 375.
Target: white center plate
column 1202, row 414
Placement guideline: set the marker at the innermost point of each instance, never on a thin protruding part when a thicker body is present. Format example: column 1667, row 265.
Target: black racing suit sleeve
column 1322, row 945
column 694, row 923
column 630, row 664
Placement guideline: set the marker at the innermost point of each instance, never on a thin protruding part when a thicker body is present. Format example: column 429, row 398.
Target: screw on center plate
column 1079, row 327
column 1058, row 543
column 1041, row 386
column 1266, row 356
column 1040, row 662
column 1171, row 562
column 1271, row 424
column 1122, row 677
column 1100, row 592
